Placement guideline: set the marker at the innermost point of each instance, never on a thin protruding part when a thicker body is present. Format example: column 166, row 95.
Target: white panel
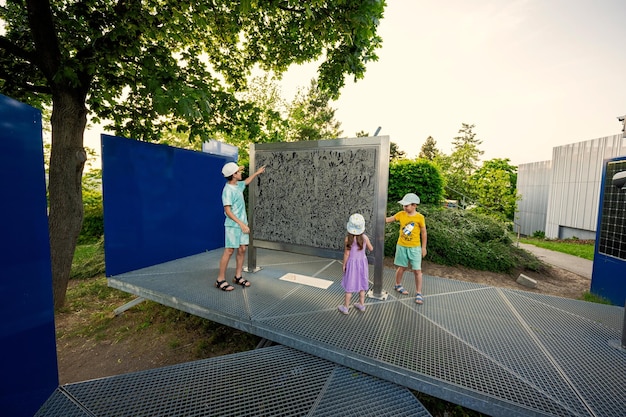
column 533, row 183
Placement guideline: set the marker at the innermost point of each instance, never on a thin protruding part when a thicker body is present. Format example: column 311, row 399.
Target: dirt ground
column 129, row 344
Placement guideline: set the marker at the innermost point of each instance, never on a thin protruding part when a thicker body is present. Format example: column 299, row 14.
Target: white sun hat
column 356, row 224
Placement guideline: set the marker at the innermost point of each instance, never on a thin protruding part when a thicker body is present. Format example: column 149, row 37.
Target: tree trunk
column 67, row 159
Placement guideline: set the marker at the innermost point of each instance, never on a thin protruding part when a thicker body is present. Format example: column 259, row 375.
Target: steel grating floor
column 273, row 381
column 498, row 351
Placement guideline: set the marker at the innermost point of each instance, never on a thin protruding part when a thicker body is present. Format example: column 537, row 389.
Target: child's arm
column 244, row 227
column 390, row 219
column 368, row 244
column 251, row 177
column 424, row 239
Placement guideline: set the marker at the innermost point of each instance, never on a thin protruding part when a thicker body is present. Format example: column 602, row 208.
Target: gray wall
column 533, row 185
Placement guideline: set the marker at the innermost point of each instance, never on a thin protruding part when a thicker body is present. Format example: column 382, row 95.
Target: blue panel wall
column 28, row 363
column 160, row 203
column 608, row 277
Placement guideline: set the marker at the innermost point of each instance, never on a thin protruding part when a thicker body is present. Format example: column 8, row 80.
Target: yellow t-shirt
column 410, row 228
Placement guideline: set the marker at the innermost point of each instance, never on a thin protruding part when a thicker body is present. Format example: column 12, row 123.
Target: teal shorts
column 234, row 237
column 405, row 255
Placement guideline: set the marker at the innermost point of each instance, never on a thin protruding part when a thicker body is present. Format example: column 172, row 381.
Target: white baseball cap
column 229, row 169
column 409, row 198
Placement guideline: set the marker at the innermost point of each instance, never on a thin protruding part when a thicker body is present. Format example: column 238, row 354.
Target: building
column 561, row 197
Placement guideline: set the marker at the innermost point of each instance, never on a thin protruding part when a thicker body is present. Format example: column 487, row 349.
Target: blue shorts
column 234, row 237
column 405, row 255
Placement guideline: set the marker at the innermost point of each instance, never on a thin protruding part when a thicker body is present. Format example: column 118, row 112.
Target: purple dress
column 355, row 278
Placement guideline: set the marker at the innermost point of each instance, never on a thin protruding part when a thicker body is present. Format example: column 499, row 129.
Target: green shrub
column 538, row 234
column 466, row 238
column 93, row 219
column 421, row 177
column 93, row 225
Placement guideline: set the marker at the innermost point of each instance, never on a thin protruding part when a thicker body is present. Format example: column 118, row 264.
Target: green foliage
column 93, row 221
column 311, row 117
column 539, row 234
column 395, row 153
column 429, row 150
column 461, row 237
column 420, row 177
column 461, row 164
column 151, row 67
column 494, row 187
column 593, row 298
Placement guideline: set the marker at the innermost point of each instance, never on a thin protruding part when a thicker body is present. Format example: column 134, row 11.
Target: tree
column 152, row 66
column 395, row 153
column 264, row 93
column 461, row 164
column 495, row 188
column 429, row 149
column 465, row 153
column 311, row 117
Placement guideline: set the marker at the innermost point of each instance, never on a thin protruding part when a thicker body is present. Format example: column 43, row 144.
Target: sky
column 529, row 74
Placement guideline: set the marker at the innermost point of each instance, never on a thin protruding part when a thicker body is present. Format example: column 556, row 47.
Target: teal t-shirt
column 232, row 195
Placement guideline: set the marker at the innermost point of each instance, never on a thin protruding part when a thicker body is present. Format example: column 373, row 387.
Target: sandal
column 243, row 282
column 343, row 309
column 419, row 299
column 359, row 306
column 401, row 289
column 223, row 285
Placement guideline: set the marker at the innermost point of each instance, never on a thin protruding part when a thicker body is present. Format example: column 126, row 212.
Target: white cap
column 229, row 169
column 409, row 198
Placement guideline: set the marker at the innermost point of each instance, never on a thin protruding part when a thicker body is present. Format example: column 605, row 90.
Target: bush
column 421, row 177
column 93, row 225
column 93, row 219
column 466, row 238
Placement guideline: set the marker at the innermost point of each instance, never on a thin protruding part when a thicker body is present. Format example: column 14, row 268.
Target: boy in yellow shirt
column 411, row 246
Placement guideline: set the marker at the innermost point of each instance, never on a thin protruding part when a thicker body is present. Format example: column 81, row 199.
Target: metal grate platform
column 273, row 381
column 494, row 350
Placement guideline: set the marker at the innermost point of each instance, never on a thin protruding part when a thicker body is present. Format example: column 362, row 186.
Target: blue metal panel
column 28, row 360
column 160, row 203
column 608, row 278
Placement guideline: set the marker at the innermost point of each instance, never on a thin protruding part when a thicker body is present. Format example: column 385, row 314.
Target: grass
column 88, row 261
column 92, row 302
column 593, row 298
column 581, row 248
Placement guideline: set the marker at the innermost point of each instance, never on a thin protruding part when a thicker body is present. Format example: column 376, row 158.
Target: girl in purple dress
column 355, row 268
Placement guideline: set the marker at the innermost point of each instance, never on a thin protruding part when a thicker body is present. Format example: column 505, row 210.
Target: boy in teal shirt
column 237, row 232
